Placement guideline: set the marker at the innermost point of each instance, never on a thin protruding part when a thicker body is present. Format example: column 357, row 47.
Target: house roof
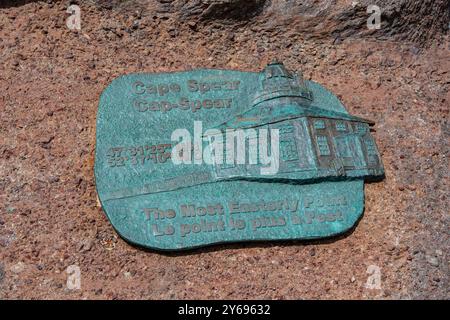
column 267, row 113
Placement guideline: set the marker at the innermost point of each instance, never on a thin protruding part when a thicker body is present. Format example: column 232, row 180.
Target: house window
column 344, row 148
column 319, row 124
column 322, row 145
column 341, row 126
column 361, row 127
column 286, row 129
column 288, row 150
column 371, row 148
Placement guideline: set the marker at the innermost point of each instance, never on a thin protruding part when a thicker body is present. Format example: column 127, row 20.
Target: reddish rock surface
column 50, row 82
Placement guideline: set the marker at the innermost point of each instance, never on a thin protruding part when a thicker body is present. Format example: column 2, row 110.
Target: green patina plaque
column 312, row 186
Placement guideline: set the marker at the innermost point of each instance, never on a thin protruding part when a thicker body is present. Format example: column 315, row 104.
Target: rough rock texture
column 405, row 19
column 50, row 82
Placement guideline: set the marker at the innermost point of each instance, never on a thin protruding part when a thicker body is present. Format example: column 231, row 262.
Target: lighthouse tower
column 277, row 82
